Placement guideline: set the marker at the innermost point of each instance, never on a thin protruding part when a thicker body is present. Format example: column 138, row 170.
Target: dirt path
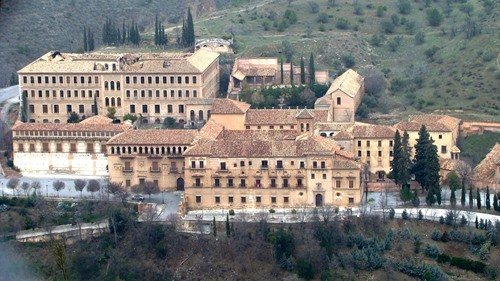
column 222, row 13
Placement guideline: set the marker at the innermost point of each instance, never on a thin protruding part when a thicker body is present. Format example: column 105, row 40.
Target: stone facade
column 78, row 149
column 155, row 85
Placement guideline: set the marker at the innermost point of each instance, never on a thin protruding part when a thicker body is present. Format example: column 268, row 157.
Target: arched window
column 113, row 102
column 57, row 121
column 209, row 113
column 112, row 150
column 118, row 85
column 323, row 135
column 129, row 150
column 112, row 85
column 200, row 115
column 106, row 66
column 123, row 150
column 119, row 102
column 191, row 115
column 106, row 101
column 140, row 149
column 173, row 150
column 162, row 150
column 114, row 67
column 168, row 150
column 106, row 85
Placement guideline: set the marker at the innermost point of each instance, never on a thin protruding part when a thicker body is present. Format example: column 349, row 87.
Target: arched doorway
column 319, row 200
column 180, row 184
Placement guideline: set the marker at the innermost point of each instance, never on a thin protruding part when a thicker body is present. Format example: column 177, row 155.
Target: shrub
column 404, row 215
column 420, row 215
column 417, row 242
column 432, row 251
column 348, row 61
column 305, row 269
column 417, row 269
column 434, row 17
column 467, row 264
column 404, row 7
column 322, row 18
column 442, row 258
column 231, row 212
column 342, row 23
column 419, row 38
column 392, row 213
column 313, row 7
column 436, row 235
column 450, row 217
column 272, row 211
column 387, row 27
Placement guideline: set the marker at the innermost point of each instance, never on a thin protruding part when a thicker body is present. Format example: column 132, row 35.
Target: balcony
column 127, row 170
column 173, row 170
column 155, row 170
column 264, row 167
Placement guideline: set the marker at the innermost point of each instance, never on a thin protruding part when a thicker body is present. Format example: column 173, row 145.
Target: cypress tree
column 188, row 36
column 24, row 109
column 282, row 71
column 215, row 228
column 302, row 71
column 488, row 204
column 453, row 199
column 477, row 223
column 478, row 199
column 96, row 110
column 157, row 31
column 91, row 47
column 396, row 164
column 471, row 199
column 85, row 41
column 437, row 191
column 426, row 166
column 462, row 199
column 291, row 72
column 312, row 71
column 495, row 202
column 124, row 33
column 228, row 229
column 405, row 174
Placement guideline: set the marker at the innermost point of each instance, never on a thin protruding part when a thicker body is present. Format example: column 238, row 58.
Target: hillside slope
column 29, row 29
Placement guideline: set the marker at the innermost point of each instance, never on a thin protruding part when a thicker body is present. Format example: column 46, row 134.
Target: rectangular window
column 179, row 80
column 171, row 79
column 217, row 182
column 59, row 147
column 45, row 108
column 243, row 199
column 198, row 199
column 313, row 176
column 202, row 165
column 299, row 183
column 379, row 153
column 223, row 166
column 169, row 108
column 339, row 100
column 323, row 165
column 157, row 108
column 230, row 199
column 443, row 149
column 302, row 165
column 181, row 108
column 351, row 200
column 45, row 147
column 127, row 80
column 186, row 79
column 56, row 108
column 20, row 147
column 132, row 108
column 264, row 164
column 368, row 153
column 273, row 182
column 379, row 143
column 32, row 108
column 144, row 108
column 285, row 183
column 390, row 143
column 243, row 183
column 193, row 164
column 197, row 182
column 150, row 80
column 279, row 164
column 217, row 199
column 440, row 137
column 242, row 163
column 351, row 184
column 258, row 199
column 337, row 183
column 273, row 199
column 390, row 153
column 81, row 108
column 324, row 176
column 194, row 79
column 142, row 79
column 286, row 199
column 69, row 108
column 230, row 182
column 315, row 165
column 90, row 148
column 32, row 147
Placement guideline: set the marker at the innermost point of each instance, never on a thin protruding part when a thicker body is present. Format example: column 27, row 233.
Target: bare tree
column 26, row 188
column 117, row 190
column 36, row 185
column 327, row 213
column 80, row 185
column 58, row 185
column 13, row 183
column 93, row 186
column 464, row 170
column 147, row 187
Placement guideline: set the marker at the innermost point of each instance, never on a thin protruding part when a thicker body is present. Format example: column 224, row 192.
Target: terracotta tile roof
column 271, row 117
column 283, row 116
column 342, row 164
column 248, row 144
column 350, row 82
column 449, row 164
column 428, row 119
column 485, row 171
column 415, row 127
column 76, row 127
column 56, row 62
column 373, row 132
column 211, row 130
column 254, row 67
column 229, row 106
column 333, row 126
column 154, row 137
column 344, row 135
column 97, row 119
column 324, row 101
